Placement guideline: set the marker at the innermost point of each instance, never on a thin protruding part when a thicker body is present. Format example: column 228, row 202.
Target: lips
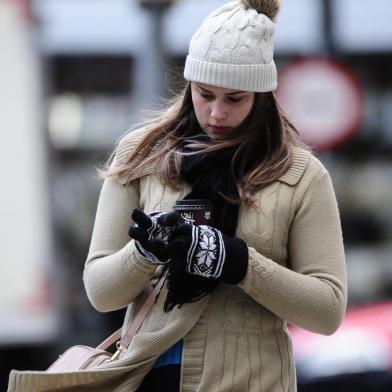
column 218, row 129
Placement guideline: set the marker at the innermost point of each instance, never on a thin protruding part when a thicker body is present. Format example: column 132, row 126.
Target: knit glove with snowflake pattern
column 151, row 233
column 210, row 253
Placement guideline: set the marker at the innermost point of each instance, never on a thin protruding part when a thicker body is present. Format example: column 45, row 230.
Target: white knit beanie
column 233, row 47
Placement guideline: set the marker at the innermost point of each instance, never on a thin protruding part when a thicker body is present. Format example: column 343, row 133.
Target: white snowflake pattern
column 207, row 253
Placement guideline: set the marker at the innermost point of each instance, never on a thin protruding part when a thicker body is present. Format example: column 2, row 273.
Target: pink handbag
column 84, row 357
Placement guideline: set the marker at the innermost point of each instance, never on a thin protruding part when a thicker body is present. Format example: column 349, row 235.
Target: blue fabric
column 172, row 356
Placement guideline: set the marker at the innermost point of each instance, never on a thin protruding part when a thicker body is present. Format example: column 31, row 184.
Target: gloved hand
column 210, row 253
column 151, row 234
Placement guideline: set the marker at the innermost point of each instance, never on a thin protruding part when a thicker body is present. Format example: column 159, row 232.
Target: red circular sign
column 323, row 99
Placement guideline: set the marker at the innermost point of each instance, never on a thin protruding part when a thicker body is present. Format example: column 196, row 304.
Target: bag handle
column 125, row 340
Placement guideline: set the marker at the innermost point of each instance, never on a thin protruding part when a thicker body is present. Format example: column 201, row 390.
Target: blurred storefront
column 99, row 69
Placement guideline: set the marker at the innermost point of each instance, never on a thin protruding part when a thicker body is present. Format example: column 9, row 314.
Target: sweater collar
column 297, row 168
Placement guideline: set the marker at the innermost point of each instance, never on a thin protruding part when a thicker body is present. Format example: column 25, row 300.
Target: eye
column 206, row 96
column 234, row 100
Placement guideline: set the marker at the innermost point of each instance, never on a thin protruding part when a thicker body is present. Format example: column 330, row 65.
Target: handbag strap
column 136, row 321
column 113, row 338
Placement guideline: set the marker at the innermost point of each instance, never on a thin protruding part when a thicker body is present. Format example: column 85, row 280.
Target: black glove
column 210, row 253
column 151, row 234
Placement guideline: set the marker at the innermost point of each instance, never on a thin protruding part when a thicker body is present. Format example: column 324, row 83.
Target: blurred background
column 76, row 74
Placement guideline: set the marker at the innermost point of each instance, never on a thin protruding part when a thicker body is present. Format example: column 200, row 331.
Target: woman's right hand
column 151, row 233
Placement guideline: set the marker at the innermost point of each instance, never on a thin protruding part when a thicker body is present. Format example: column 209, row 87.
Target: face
column 219, row 110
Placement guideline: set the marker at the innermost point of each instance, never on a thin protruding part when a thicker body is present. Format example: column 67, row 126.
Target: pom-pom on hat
column 233, row 47
column 269, row 8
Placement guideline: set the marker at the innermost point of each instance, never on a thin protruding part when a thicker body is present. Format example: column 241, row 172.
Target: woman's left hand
column 210, row 253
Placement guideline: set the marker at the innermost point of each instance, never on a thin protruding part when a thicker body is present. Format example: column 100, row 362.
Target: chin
column 216, row 135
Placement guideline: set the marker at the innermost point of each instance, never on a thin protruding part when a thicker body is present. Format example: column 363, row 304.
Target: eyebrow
column 232, row 93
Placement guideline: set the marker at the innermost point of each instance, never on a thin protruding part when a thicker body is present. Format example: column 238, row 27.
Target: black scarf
column 211, row 177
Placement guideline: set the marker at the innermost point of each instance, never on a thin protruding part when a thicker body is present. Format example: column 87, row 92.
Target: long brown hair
column 266, row 127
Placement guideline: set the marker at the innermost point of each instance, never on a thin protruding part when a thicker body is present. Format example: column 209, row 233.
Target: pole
column 330, row 47
column 151, row 60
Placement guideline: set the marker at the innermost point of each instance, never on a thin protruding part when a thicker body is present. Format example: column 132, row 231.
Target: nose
column 218, row 110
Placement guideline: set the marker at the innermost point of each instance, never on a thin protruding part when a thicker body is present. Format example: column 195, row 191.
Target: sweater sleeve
column 312, row 294
column 114, row 272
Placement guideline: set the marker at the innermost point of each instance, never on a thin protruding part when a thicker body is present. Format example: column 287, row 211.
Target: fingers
column 138, row 234
column 159, row 249
column 169, row 219
column 142, row 219
column 178, row 245
column 183, row 229
column 150, row 232
column 165, row 251
column 155, row 246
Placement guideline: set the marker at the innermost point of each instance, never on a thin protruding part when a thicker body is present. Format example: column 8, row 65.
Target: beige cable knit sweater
column 236, row 339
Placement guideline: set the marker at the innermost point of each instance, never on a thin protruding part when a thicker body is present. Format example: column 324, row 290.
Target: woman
column 276, row 245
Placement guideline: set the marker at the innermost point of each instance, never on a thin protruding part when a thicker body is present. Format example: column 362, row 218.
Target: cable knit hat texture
column 233, row 47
